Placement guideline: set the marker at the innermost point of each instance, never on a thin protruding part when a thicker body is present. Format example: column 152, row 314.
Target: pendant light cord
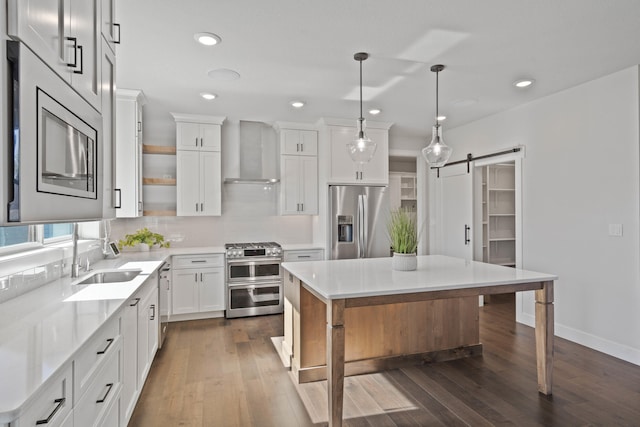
column 361, row 118
column 437, row 86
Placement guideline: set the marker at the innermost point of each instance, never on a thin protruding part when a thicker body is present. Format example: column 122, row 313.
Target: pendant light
column 437, row 152
column 361, row 149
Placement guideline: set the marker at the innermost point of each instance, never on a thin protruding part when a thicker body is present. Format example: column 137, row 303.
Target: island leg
column 335, row 360
column 544, row 337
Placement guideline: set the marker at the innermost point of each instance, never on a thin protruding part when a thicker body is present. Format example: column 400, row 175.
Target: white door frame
column 517, row 159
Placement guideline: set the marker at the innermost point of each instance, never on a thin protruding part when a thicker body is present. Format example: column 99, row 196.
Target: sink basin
column 109, row 276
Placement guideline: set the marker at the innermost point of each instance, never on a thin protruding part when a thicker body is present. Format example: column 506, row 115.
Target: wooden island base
column 378, row 337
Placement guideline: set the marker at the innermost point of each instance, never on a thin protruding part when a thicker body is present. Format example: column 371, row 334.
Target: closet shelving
column 498, row 214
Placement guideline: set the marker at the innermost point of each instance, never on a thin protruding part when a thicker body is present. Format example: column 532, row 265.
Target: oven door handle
column 261, row 261
column 246, row 285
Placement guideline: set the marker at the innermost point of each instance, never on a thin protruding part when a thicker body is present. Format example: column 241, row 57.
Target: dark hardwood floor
column 222, row 372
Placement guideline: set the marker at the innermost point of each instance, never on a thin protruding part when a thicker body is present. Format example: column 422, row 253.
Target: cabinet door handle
column 81, row 62
column 304, row 256
column 109, row 387
column 196, row 207
column 193, row 261
column 119, row 205
column 135, row 303
column 301, row 207
column 201, row 142
column 114, row 39
column 196, row 276
column 139, row 126
column 201, row 277
column 466, row 234
column 59, row 404
column 109, row 342
column 302, row 146
column 297, row 147
column 153, row 312
column 73, row 40
column 201, row 207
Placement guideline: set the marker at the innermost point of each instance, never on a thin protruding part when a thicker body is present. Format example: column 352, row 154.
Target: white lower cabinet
column 129, row 325
column 139, row 328
column 303, row 255
column 94, row 408
column 53, row 404
column 197, row 284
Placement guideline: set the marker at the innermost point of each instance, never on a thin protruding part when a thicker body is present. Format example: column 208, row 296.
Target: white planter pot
column 143, row 247
column 404, row 262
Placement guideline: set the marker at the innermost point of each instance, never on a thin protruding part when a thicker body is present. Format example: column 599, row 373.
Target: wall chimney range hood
column 258, row 155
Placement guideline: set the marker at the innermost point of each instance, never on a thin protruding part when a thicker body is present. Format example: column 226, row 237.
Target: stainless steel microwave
column 56, row 171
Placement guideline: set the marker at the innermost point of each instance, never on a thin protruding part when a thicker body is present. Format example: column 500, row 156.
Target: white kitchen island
column 385, row 315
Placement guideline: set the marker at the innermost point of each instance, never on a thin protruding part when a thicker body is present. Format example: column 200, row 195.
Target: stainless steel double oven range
column 254, row 280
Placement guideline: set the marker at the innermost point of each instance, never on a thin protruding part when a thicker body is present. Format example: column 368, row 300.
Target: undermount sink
column 109, row 276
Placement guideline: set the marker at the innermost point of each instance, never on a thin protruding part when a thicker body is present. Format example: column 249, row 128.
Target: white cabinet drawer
column 198, row 261
column 103, row 389
column 52, row 404
column 92, row 356
column 304, row 255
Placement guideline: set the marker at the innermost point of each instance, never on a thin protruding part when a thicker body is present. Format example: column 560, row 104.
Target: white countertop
column 353, row 278
column 41, row 330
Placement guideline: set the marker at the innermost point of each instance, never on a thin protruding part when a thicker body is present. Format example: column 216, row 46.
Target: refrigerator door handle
column 362, row 226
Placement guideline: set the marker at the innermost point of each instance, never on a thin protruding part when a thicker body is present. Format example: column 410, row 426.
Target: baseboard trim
column 620, row 351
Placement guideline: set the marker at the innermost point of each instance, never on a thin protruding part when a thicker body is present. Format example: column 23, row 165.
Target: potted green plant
column 403, row 234
column 144, row 239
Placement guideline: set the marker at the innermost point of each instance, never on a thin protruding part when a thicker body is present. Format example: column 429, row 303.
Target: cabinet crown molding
column 132, row 95
column 198, row 118
column 333, row 121
column 294, row 126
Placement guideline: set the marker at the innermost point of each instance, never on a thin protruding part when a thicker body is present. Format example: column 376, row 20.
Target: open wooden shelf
column 158, row 149
column 159, row 213
column 159, row 181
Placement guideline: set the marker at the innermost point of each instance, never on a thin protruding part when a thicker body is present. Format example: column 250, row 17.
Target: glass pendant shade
column 437, row 152
column 361, row 149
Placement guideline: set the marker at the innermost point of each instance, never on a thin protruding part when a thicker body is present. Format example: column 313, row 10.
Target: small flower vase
column 404, row 262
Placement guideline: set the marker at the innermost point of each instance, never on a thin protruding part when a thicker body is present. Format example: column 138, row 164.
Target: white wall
column 580, row 174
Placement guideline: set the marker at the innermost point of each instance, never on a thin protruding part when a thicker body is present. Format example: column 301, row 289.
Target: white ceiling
column 303, row 49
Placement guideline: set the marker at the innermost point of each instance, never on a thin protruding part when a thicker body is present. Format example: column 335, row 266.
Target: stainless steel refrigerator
column 359, row 216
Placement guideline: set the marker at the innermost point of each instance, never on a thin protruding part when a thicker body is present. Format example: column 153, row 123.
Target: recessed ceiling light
column 523, row 83
column 208, row 96
column 223, row 74
column 441, row 118
column 207, row 39
column 375, row 111
column 297, row 104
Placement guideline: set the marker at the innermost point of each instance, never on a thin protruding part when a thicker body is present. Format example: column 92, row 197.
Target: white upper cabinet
column 109, row 131
column 109, row 28
column 299, row 185
column 198, row 165
column 199, row 133
column 65, row 34
column 129, row 153
column 298, row 169
column 341, row 169
column 299, row 142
